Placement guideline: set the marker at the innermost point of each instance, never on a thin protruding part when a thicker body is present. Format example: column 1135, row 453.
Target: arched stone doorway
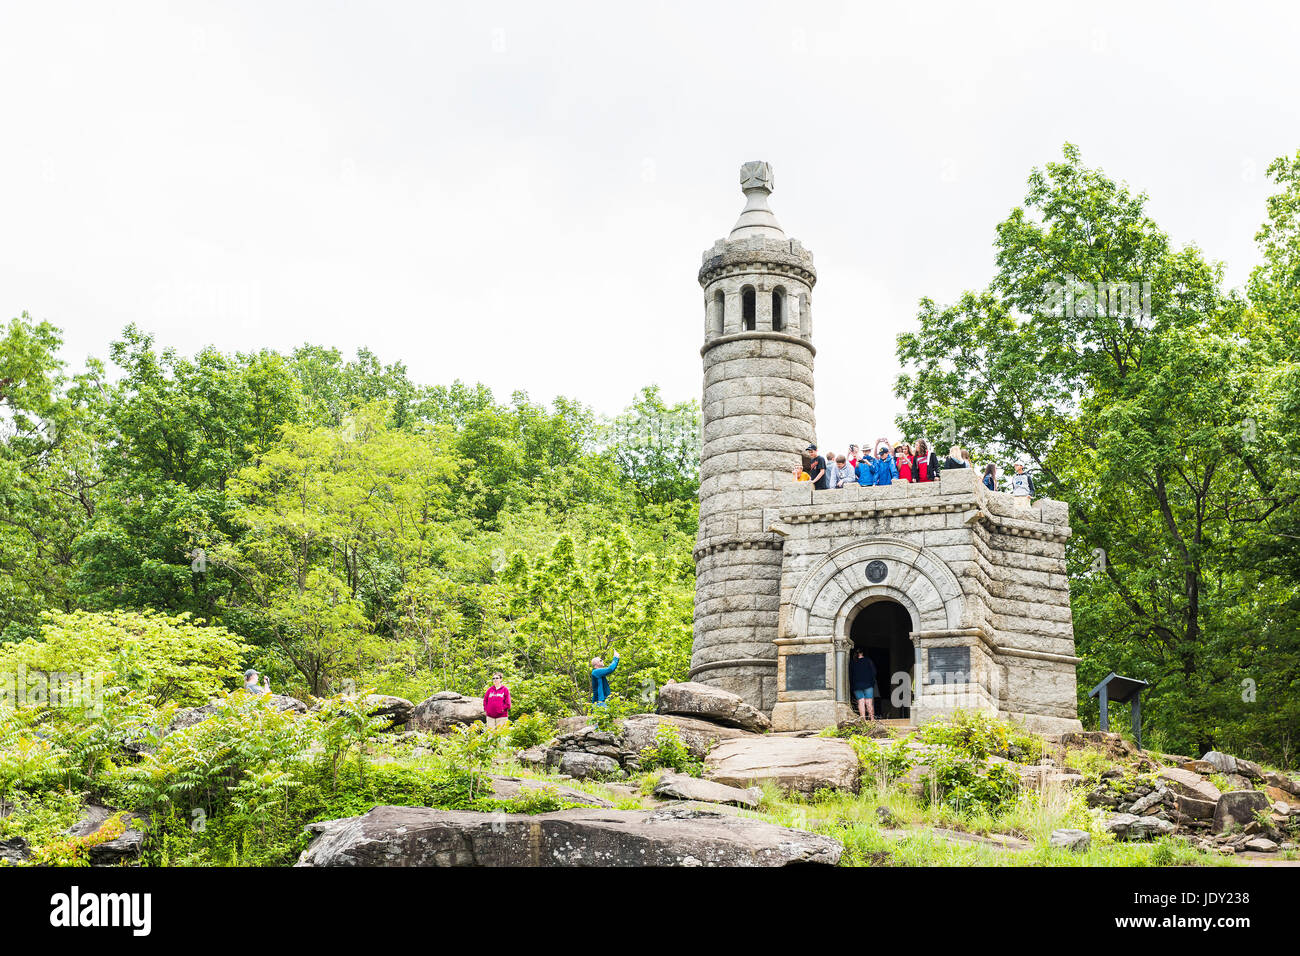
column 882, row 629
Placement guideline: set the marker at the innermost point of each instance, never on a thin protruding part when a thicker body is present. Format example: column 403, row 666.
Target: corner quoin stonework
column 782, row 570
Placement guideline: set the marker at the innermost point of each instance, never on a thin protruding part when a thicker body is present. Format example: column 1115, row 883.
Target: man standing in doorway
column 862, row 679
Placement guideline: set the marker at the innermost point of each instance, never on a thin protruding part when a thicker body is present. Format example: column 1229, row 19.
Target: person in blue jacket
column 866, row 471
column 886, row 467
column 600, row 679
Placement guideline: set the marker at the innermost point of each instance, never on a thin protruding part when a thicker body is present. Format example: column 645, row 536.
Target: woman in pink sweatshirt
column 496, row 702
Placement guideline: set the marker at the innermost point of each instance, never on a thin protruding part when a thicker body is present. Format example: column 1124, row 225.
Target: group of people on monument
column 900, row 461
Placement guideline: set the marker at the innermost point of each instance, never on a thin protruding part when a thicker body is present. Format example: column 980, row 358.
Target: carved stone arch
column 840, row 581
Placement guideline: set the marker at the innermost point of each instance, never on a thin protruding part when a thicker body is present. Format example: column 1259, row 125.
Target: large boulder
column 395, row 710
column 1238, row 808
column 445, row 710
column 583, row 766
column 1260, row 845
column 689, row 699
column 800, row 764
column 698, row 736
column 122, row 848
column 567, row 725
column 1285, row 797
column 677, row 836
column 679, row 786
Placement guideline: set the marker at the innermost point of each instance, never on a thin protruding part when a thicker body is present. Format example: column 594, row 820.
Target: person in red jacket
column 496, row 702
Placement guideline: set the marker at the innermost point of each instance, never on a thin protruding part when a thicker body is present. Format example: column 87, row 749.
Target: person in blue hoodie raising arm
column 600, row 679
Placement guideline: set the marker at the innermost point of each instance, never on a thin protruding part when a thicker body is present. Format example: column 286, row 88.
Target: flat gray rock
column 582, row 766
column 418, row 836
column 680, row 786
column 1189, row 784
column 799, row 764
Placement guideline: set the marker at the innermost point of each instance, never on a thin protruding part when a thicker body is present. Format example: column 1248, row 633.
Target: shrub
column 166, row 658
column 670, row 753
column 963, row 784
column 530, row 730
column 883, row 760
column 609, row 716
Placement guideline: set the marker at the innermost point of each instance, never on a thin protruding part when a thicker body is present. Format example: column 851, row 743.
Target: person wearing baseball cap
column 816, row 467
column 250, row 683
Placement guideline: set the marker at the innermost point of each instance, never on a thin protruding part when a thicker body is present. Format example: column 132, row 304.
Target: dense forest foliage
column 353, row 528
column 1171, row 426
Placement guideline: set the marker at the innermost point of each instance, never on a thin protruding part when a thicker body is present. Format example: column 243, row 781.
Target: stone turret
column 757, row 419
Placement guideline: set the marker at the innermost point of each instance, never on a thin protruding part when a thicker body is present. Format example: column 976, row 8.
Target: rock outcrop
column 689, row 699
column 417, row 836
column 678, row 786
column 799, row 764
column 1238, row 809
column 444, row 710
column 1077, row 840
column 1128, row 826
column 395, row 710
column 122, row 848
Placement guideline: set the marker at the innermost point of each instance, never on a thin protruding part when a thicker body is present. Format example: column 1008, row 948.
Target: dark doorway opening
column 881, row 629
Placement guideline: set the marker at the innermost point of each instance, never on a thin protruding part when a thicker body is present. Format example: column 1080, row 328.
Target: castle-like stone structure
column 958, row 593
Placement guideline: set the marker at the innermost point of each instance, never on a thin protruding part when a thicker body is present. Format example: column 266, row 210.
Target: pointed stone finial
column 756, row 219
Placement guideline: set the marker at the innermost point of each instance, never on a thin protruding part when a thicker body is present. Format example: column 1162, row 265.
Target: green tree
column 167, row 658
column 1139, row 411
column 176, row 431
column 49, row 472
column 569, row 607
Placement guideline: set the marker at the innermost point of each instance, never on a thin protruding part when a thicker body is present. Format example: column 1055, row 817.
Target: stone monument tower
column 957, row 593
column 757, row 417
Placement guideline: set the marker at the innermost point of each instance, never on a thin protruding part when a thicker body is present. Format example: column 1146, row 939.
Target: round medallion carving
column 877, row 571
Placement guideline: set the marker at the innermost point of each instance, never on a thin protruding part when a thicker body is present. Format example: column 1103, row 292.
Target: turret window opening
column 778, row 309
column 748, row 309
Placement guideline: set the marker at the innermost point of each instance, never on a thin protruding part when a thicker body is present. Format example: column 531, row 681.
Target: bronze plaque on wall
column 805, row 672
column 948, row 665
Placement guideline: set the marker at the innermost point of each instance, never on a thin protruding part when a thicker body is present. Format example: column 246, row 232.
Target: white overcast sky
column 519, row 193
